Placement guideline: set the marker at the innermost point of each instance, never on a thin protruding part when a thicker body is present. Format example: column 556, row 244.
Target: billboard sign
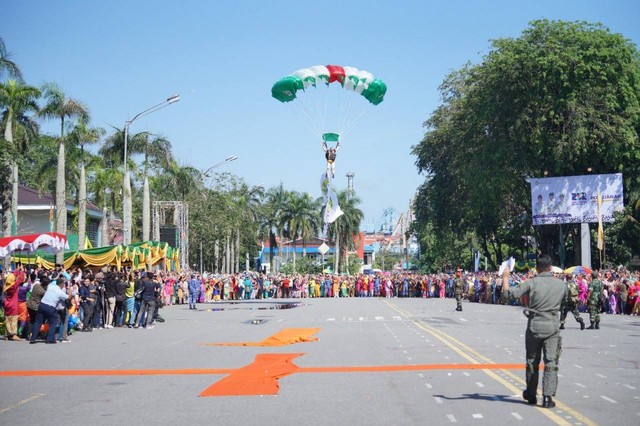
column 574, row 199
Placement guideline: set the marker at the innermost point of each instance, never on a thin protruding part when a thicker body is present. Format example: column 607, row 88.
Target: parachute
column 350, row 78
column 324, row 95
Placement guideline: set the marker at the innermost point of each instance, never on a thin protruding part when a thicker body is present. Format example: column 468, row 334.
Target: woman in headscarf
column 11, row 309
column 23, row 313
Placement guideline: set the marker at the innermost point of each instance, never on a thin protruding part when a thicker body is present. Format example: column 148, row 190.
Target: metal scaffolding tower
column 179, row 216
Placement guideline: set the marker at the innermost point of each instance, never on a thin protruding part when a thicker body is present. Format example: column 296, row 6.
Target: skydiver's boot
column 592, row 326
column 597, row 325
column 582, row 325
column 562, row 326
column 547, row 402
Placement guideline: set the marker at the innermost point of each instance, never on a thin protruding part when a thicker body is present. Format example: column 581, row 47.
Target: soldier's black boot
column 582, row 325
column 562, row 326
column 591, row 327
column 598, row 325
column 547, row 402
column 531, row 399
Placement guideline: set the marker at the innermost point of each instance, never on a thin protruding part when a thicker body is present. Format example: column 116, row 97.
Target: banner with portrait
column 574, row 199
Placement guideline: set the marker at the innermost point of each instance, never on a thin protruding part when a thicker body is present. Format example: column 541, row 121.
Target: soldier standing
column 546, row 294
column 571, row 304
column 593, row 301
column 458, row 289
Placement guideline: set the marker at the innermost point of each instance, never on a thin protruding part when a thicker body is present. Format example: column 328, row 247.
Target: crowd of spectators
column 41, row 305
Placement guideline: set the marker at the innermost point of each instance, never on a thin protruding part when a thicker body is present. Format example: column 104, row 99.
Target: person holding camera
column 148, row 306
column 47, row 309
column 87, row 301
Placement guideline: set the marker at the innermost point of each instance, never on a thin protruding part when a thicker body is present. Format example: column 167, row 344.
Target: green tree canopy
column 562, row 97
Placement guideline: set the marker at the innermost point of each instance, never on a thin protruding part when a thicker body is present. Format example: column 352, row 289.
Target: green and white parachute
column 324, row 94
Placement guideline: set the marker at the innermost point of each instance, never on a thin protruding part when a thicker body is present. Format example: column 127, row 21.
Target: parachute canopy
column 350, row 78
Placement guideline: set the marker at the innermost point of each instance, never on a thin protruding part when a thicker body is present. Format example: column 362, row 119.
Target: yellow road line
column 24, row 401
column 450, row 341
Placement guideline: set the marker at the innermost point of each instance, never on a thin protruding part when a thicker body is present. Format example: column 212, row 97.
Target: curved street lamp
column 215, row 166
column 126, row 201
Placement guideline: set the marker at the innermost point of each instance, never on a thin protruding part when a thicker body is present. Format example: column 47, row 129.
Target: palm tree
column 347, row 225
column 300, row 218
column 104, row 186
column 82, row 135
column 58, row 106
column 16, row 100
column 158, row 149
column 7, row 65
column 271, row 218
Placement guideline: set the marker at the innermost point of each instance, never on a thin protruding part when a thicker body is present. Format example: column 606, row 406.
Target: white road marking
column 601, row 376
column 478, row 416
column 438, row 399
column 580, row 385
column 361, row 318
column 466, row 374
column 480, row 385
column 404, row 352
column 420, row 375
column 331, row 319
column 517, row 416
column 24, row 401
column 397, row 318
column 577, row 366
column 428, row 385
column 629, row 386
column 379, row 318
column 463, row 320
column 451, row 418
column 409, row 358
column 606, row 398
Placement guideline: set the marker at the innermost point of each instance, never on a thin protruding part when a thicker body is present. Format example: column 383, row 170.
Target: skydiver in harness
column 330, row 155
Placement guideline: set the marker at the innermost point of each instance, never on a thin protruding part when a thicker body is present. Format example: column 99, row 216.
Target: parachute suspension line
column 355, row 121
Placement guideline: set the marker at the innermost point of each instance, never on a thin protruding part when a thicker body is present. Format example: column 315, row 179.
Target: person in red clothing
column 12, row 281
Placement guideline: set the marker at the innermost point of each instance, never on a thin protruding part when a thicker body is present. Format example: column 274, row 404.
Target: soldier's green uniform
column 593, row 303
column 546, row 294
column 458, row 290
column 571, row 305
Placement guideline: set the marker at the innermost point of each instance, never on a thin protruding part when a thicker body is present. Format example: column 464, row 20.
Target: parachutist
column 330, row 155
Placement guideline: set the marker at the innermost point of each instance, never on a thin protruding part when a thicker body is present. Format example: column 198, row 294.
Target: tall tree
column 300, row 219
column 346, row 227
column 275, row 203
column 7, row 66
column 82, row 135
column 157, row 150
column 60, row 107
column 562, row 97
column 17, row 100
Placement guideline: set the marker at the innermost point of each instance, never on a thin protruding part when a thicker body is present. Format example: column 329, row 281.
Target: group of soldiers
column 572, row 302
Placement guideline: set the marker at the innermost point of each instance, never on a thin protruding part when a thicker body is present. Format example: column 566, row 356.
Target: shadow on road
column 484, row 397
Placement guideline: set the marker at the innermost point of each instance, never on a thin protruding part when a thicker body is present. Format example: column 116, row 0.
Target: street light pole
column 226, row 160
column 126, row 202
column 205, row 174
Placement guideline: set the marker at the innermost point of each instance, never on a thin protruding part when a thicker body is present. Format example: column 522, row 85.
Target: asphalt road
column 377, row 362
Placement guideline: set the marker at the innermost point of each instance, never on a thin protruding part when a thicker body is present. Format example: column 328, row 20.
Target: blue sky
column 121, row 57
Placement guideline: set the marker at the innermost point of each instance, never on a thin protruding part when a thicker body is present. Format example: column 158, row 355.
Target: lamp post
column 225, row 161
column 126, row 202
column 205, row 174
